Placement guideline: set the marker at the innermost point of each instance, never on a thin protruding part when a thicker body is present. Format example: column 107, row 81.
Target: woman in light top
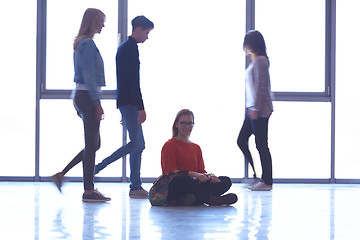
column 89, row 78
column 197, row 186
column 258, row 103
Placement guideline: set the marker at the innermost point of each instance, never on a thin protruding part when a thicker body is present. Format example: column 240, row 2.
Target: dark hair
column 181, row 113
column 143, row 22
column 254, row 40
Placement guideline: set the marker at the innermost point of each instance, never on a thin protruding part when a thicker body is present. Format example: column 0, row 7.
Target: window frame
column 328, row 95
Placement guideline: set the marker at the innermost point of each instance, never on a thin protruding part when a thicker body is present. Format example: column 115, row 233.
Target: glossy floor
column 290, row 211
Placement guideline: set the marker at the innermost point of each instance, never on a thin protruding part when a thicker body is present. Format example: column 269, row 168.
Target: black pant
column 259, row 128
column 87, row 111
column 182, row 185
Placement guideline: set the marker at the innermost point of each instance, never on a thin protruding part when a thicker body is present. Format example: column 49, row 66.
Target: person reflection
column 257, row 216
column 136, row 229
column 172, row 222
column 59, row 226
column 91, row 226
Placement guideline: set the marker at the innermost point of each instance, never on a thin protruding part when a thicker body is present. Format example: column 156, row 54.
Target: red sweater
column 179, row 155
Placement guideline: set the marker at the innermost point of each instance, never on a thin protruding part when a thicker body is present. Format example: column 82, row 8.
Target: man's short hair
column 143, row 22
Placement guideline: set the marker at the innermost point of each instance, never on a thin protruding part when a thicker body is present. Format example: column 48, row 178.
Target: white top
column 258, row 94
column 80, row 86
column 249, row 88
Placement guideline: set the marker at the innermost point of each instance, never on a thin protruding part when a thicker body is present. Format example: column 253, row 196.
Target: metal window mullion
column 302, row 96
column 249, row 22
column 122, row 20
column 250, row 15
column 122, row 31
column 249, row 25
column 66, row 94
column 40, row 76
column 330, row 63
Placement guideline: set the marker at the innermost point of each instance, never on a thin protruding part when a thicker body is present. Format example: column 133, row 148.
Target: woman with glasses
column 197, row 186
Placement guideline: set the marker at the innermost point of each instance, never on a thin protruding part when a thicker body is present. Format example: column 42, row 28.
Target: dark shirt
column 128, row 75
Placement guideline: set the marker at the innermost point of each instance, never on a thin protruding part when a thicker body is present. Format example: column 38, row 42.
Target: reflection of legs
column 243, row 141
column 261, row 139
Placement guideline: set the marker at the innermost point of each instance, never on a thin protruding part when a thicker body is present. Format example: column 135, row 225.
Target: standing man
column 130, row 103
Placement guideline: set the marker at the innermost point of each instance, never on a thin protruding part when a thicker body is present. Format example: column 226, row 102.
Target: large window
column 61, row 31
column 347, row 85
column 299, row 140
column 193, row 59
column 61, row 131
column 62, row 137
column 294, row 32
column 18, row 84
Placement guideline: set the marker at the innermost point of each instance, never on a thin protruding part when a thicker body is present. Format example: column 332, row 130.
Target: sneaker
column 260, row 187
column 138, row 194
column 95, row 197
column 57, row 179
column 226, row 199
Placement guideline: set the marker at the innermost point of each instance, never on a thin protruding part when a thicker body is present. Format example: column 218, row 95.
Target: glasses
column 189, row 124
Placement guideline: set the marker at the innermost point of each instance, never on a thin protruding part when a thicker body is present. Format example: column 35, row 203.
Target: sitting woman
column 197, row 186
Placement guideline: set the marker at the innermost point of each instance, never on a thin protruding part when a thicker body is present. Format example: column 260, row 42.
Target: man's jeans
column 135, row 147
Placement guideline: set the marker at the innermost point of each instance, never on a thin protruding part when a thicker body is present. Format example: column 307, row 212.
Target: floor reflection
column 59, row 227
column 137, row 219
column 257, row 219
column 290, row 211
column 192, row 222
column 92, row 227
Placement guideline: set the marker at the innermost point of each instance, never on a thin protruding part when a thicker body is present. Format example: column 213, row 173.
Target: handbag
column 159, row 191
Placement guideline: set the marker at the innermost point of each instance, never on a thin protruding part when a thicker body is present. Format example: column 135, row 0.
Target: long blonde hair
column 88, row 23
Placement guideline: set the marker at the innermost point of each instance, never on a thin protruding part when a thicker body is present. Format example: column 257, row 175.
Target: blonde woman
column 89, row 78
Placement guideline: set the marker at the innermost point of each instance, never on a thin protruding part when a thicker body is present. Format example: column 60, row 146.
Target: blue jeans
column 135, row 147
column 259, row 128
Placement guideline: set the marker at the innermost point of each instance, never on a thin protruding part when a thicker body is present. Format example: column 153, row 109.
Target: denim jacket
column 89, row 68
